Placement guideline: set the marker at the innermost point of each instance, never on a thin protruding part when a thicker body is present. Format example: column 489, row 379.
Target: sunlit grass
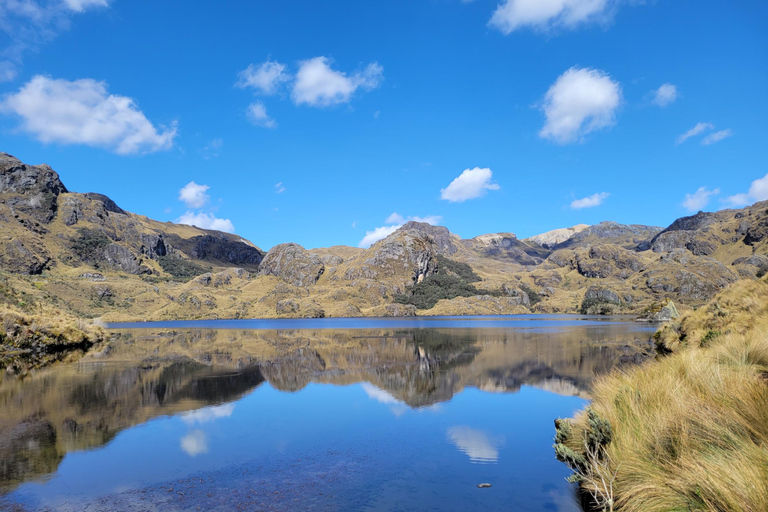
column 689, row 431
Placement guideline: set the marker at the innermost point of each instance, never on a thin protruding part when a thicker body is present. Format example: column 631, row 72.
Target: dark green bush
column 452, row 280
column 180, row 268
column 89, row 244
column 457, row 268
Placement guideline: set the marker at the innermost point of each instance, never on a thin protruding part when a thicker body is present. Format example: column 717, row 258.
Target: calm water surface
column 327, row 415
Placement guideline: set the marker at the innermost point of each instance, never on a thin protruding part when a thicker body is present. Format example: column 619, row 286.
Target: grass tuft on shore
column 690, row 430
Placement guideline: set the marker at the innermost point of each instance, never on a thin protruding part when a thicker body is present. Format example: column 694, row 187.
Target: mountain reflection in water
column 199, row 374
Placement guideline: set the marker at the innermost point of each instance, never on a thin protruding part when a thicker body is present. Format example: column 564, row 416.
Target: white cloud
column 590, row 202
column 665, row 95
column 471, row 184
column 380, row 233
column 580, row 101
column 194, row 443
column 758, row 191
column 279, row 188
column 257, row 115
column 266, row 78
column 716, row 137
column 549, row 14
column 476, row 444
column 29, row 23
column 82, row 5
column 208, row 414
column 194, row 195
column 82, row 112
column 206, row 221
column 700, row 127
column 318, row 85
column 699, row 199
column 395, row 221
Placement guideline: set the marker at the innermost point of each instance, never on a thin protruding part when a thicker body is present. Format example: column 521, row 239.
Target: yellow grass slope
column 688, row 432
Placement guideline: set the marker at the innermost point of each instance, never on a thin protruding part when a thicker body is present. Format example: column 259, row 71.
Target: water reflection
column 199, row 374
column 480, row 446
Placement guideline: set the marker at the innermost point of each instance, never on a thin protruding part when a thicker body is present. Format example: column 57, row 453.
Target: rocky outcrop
column 121, row 258
column 506, row 247
column 293, row 264
column 628, row 236
column 32, row 189
column 552, row 238
column 407, row 256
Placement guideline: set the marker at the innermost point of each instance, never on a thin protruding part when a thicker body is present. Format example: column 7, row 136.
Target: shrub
column 89, row 244
column 180, row 268
column 452, row 280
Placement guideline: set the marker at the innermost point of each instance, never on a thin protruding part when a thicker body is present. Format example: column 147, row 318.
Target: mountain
column 83, row 255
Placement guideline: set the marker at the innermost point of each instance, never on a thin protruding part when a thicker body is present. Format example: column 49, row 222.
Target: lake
column 406, row 414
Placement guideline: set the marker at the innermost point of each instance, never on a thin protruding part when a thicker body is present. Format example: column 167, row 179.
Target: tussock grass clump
column 690, row 430
column 737, row 309
column 46, row 326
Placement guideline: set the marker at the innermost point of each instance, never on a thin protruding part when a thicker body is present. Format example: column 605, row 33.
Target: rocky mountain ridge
column 86, row 255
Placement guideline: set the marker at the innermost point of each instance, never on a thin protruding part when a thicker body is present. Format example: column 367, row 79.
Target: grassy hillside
column 688, row 432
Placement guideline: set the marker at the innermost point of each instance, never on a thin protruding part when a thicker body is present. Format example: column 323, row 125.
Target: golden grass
column 690, row 431
column 46, row 326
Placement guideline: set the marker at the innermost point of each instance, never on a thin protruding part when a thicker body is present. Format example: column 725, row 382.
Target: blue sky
column 484, row 115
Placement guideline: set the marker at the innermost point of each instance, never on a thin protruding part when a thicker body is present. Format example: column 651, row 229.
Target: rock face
column 32, row 189
column 552, row 238
column 407, row 256
column 293, row 264
column 628, row 236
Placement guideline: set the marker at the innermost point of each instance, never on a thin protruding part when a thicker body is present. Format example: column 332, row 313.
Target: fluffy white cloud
column 476, row 444
column 716, row 137
column 548, row 14
column 580, row 101
column 665, row 95
column 194, row 195
column 29, row 23
column 590, row 201
column 82, row 112
column 394, row 222
column 82, row 5
column 699, row 128
column 699, row 199
column 206, row 221
column 758, row 191
column 265, row 78
column 320, row 86
column 257, row 115
column 470, row 184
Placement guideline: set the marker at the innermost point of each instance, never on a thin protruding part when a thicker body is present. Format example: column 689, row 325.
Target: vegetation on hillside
column 89, row 244
column 453, row 279
column 690, row 431
column 180, row 268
